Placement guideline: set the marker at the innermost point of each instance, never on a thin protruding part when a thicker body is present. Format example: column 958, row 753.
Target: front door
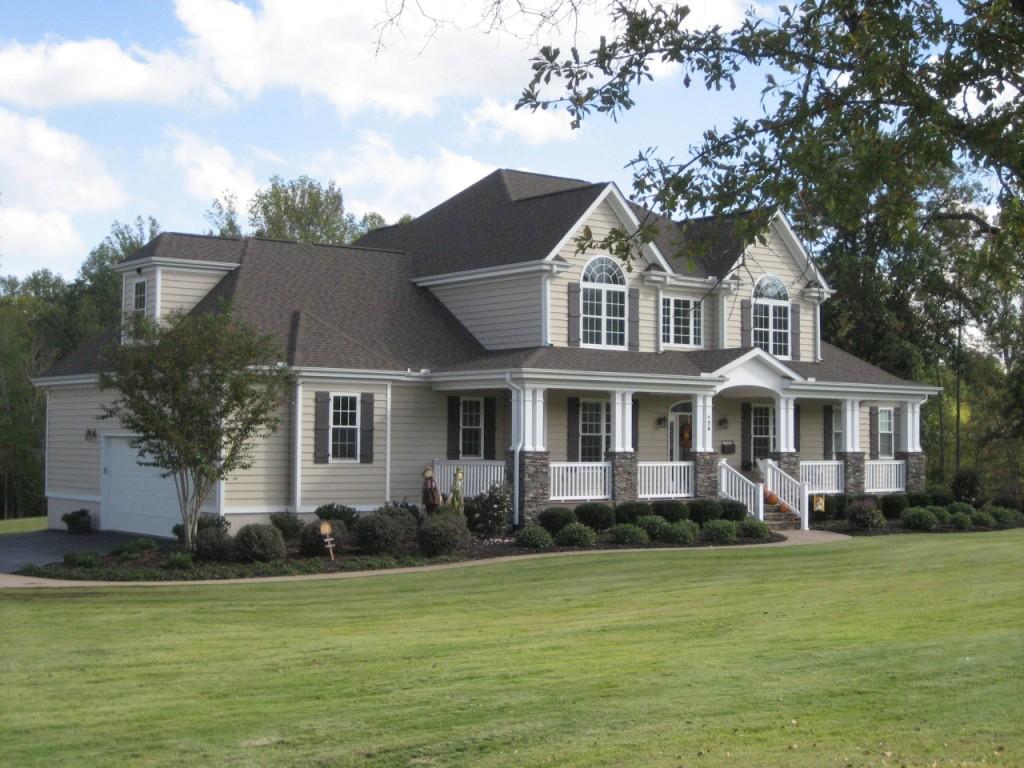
column 762, row 431
column 680, row 436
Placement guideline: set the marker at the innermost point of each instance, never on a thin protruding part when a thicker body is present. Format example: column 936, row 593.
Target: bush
column 288, row 523
column 576, row 535
column 629, row 535
column 136, row 547
column 388, row 531
column 960, row 520
column 865, row 515
column 445, row 511
column 79, row 521
column 206, row 520
column 629, row 511
column 311, row 541
column 960, row 508
column 919, row 519
column 257, row 543
column 534, row 537
column 652, row 525
column 82, row 559
column 941, row 515
column 919, row 499
column 443, row 535
column 1006, row 517
column 940, row 497
column 346, row 514
column 752, row 528
column 672, row 510
column 719, row 532
column 893, row 505
column 179, row 561
column 214, row 543
column 490, row 514
column 680, row 532
column 982, row 519
column 966, row 486
column 1009, row 501
column 595, row 515
column 835, row 506
column 554, row 519
column 703, row 511
column 405, row 506
column 733, row 510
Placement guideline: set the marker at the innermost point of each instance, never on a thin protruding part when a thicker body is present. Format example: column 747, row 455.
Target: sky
column 110, row 110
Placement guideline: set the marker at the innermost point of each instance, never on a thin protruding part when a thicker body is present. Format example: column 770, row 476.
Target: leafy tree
column 198, row 391
column 223, row 217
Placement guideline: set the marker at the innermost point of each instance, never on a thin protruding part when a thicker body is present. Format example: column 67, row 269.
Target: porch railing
column 580, row 480
column 664, row 479
column 789, row 490
column 822, row 476
column 885, row 476
column 478, row 476
column 733, row 485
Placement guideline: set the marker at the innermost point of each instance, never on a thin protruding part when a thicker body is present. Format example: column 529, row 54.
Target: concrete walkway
column 793, row 538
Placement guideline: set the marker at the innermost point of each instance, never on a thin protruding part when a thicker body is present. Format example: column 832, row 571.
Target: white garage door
column 136, row 499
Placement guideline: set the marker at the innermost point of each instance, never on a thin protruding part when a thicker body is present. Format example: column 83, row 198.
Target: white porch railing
column 789, row 490
column 822, row 476
column 733, row 485
column 664, row 479
column 885, row 476
column 478, row 476
column 580, row 480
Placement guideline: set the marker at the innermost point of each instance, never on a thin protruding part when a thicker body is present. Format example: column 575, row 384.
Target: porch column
column 851, row 454
column 909, row 450
column 785, row 454
column 622, row 456
column 705, row 457
column 703, row 421
column 529, row 421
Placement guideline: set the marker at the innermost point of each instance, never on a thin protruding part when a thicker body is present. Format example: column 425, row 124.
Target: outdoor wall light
column 662, row 422
column 90, row 435
column 723, row 423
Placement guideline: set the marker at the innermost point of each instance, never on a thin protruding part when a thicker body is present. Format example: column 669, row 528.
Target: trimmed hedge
column 215, row 544
column 257, row 543
column 719, row 532
column 733, row 510
column 865, row 515
column 443, row 535
column 79, row 521
column 288, row 523
column 311, row 541
column 180, row 561
column 919, row 519
column 835, row 506
column 919, row 499
column 680, row 532
column 941, row 515
column 595, row 515
column 960, row 520
column 631, row 511
column 752, row 528
column 206, row 520
column 893, row 504
column 982, row 519
column 554, row 519
column 576, row 535
column 652, row 525
column 672, row 510
column 1006, row 517
column 630, row 535
column 534, row 537
column 960, row 508
column 703, row 511
column 388, row 531
column 346, row 514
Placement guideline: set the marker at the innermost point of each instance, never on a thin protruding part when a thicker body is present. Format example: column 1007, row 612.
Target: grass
column 898, row 650
column 22, row 525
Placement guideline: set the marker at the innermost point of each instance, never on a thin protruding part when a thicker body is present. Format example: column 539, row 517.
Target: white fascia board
column 680, row 281
column 837, row 390
column 194, row 265
column 66, row 381
column 306, row 372
column 489, row 273
column 762, row 356
column 560, row 379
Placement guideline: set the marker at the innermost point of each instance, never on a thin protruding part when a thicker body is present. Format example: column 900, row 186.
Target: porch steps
column 778, row 520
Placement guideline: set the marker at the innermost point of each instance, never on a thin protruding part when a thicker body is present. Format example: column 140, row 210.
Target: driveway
column 40, row 547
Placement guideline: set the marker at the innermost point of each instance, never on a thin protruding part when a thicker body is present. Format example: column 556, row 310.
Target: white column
column 785, row 438
column 534, row 430
column 851, row 426
column 911, row 426
column 622, row 421
column 517, row 419
column 703, row 423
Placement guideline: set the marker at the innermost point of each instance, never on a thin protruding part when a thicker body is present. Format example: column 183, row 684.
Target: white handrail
column 885, row 476
column 477, row 475
column 580, row 480
column 733, row 485
column 789, row 490
column 822, row 476
column 664, row 479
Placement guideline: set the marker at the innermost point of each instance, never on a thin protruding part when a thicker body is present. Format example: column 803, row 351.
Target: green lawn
column 884, row 651
column 22, row 525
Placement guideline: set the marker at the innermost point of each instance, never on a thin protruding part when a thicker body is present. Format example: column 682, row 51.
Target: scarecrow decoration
column 431, row 496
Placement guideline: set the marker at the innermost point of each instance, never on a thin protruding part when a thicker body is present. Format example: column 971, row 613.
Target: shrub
column 865, row 515
column 719, row 532
column 835, row 506
column 388, row 531
column 79, row 521
column 966, row 486
column 288, row 523
column 1009, row 501
column 259, row 543
column 703, row 511
column 136, row 547
column 629, row 511
column 346, row 514
column 443, row 535
column 982, row 519
column 752, row 528
column 554, row 519
column 960, row 520
column 919, row 519
column 893, row 505
column 1006, row 517
column 82, row 559
column 490, row 513
column 534, row 537
column 652, row 525
column 733, row 510
column 405, row 506
column 576, row 535
column 960, row 507
column 940, row 497
column 595, row 515
column 179, row 561
column 919, row 499
column 672, row 510
column 214, row 543
column 680, row 532
column 311, row 541
column 629, row 535
column 445, row 511
column 206, row 520
column 941, row 515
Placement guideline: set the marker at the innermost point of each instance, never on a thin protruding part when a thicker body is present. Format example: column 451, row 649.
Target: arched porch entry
column 680, row 431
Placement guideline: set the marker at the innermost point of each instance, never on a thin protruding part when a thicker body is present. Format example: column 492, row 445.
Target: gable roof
column 181, row 245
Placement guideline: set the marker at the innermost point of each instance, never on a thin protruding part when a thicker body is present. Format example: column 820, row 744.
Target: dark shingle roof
column 179, row 245
column 840, row 366
column 85, row 359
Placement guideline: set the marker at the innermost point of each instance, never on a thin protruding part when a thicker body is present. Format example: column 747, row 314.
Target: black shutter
column 574, row 314
column 366, row 428
column 322, row 428
column 636, row 425
column 572, row 452
column 746, row 323
column 796, row 428
column 897, row 430
column 745, row 427
column 873, row 433
column 794, row 331
column 633, row 317
column 827, row 437
column 490, row 414
column 454, row 422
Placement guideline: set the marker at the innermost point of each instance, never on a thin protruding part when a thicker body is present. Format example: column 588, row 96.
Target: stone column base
column 705, row 470
column 623, row 475
column 534, row 483
column 853, row 472
column 916, row 470
column 788, row 462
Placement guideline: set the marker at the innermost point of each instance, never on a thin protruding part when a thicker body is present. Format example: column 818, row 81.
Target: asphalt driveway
column 40, row 547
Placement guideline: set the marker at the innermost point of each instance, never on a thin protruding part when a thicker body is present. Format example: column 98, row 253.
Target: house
column 476, row 336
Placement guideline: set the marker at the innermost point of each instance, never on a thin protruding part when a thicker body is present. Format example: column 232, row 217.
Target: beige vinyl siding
column 652, row 440
column 128, row 281
column 731, row 409
column 557, row 409
column 268, row 482
column 418, row 435
column 72, row 462
column 502, row 314
column 812, row 429
column 181, row 289
column 710, row 318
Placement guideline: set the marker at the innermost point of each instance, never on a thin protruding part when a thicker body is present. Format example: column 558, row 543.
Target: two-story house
column 476, row 336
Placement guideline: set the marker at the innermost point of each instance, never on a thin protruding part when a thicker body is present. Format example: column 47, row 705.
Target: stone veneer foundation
column 853, row 471
column 705, row 470
column 534, row 482
column 789, row 463
column 915, row 470
column 623, row 475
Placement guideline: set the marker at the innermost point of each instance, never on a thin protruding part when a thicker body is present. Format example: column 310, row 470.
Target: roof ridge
column 584, row 188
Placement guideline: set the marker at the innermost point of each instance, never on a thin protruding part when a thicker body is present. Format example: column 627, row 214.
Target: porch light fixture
column 723, row 423
column 662, row 422
column 90, row 435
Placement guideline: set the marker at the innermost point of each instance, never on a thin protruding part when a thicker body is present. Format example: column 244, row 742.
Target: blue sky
column 113, row 109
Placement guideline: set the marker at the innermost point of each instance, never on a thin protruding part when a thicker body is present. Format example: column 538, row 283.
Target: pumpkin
column 783, row 508
column 772, row 498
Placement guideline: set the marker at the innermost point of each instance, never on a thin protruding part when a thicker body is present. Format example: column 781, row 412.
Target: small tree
column 198, row 390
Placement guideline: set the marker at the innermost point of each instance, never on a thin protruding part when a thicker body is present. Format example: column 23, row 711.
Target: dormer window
column 771, row 316
column 603, row 300
column 139, row 297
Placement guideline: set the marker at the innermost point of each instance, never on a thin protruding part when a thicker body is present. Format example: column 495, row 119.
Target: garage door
column 136, row 499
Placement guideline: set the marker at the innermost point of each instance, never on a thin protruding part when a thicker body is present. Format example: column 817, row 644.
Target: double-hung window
column 770, row 322
column 471, row 428
column 681, row 322
column 344, row 427
column 139, row 297
column 886, row 441
column 603, row 300
column 595, row 429
column 837, row 431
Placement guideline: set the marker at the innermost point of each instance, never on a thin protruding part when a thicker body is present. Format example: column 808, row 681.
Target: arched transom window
column 603, row 299
column 771, row 316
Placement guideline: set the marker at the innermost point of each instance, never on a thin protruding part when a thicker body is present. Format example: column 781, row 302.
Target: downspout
column 517, row 446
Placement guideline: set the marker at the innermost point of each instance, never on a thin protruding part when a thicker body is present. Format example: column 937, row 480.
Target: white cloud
column 496, row 120
column 31, row 240
column 210, row 169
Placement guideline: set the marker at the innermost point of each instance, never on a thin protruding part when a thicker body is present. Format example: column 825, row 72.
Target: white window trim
column 331, row 458
column 773, row 433
column 694, row 303
column 463, row 427
column 891, row 432
column 605, row 289
column 144, row 282
column 606, row 428
column 754, row 301
column 837, row 415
